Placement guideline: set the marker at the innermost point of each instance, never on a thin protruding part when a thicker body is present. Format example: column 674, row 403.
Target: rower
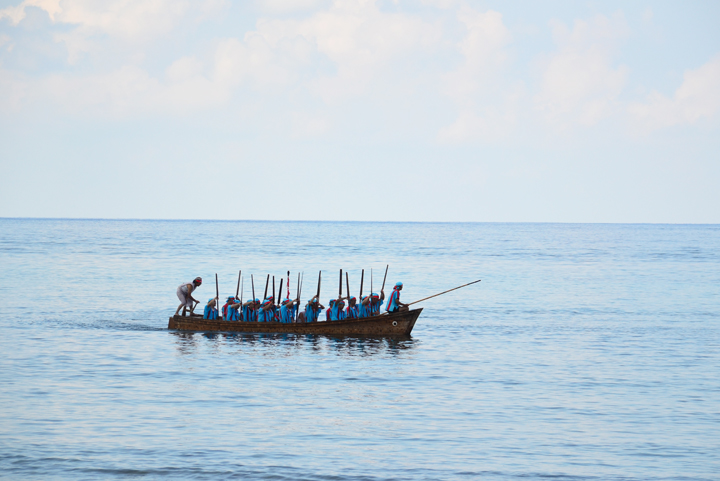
column 338, row 311
column 287, row 310
column 374, row 302
column 394, row 304
column 266, row 311
column 312, row 310
column 352, row 311
column 210, row 311
column 184, row 293
column 230, row 309
column 250, row 310
column 328, row 313
column 364, row 307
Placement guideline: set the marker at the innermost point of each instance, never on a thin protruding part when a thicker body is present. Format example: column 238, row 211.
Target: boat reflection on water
column 287, row 344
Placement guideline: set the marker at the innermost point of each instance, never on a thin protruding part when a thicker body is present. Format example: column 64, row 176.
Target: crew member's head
column 398, row 286
column 197, row 281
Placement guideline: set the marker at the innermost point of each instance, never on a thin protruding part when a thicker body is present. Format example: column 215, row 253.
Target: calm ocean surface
column 586, row 352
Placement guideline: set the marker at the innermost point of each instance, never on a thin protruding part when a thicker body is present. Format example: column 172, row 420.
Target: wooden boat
column 396, row 324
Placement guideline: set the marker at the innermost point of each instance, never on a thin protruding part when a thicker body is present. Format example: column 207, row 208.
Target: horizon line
column 130, row 219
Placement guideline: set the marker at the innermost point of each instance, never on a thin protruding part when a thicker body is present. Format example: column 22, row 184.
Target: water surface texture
column 586, row 352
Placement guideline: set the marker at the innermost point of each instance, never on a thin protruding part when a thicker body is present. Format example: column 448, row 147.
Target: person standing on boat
column 394, row 304
column 250, row 310
column 210, row 311
column 184, row 293
column 352, row 309
column 312, row 310
column 287, row 310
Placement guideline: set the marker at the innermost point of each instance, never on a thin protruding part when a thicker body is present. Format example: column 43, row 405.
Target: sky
column 426, row 110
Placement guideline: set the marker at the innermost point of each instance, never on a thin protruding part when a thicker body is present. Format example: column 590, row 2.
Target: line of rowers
column 287, row 311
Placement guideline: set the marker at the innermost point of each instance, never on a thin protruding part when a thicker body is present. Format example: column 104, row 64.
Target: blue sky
column 432, row 110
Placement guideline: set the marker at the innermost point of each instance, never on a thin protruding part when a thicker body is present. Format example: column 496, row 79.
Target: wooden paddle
column 237, row 291
column 217, row 296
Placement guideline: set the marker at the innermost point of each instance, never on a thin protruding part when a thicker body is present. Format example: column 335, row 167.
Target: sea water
column 586, row 352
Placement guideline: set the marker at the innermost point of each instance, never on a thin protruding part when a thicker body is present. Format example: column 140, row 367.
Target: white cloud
column 17, row 13
column 579, row 82
column 698, row 97
column 484, row 100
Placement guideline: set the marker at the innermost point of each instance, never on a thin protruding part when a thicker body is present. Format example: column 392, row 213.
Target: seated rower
column 266, row 311
column 328, row 313
column 364, row 307
column 184, row 293
column 312, row 310
column 250, row 310
column 338, row 310
column 375, row 303
column 287, row 310
column 394, row 304
column 352, row 311
column 210, row 311
column 230, row 309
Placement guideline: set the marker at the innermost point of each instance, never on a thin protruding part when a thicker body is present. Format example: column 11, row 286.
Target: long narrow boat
column 396, row 324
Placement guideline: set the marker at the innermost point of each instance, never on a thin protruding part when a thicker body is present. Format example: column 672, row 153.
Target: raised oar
column 445, row 292
column 384, row 278
column 279, row 292
column 319, row 280
column 362, row 278
column 253, row 286
column 347, row 285
column 297, row 311
column 273, row 289
column 340, row 286
column 288, row 285
column 371, row 289
column 237, row 291
column 217, row 296
column 242, row 288
column 267, row 281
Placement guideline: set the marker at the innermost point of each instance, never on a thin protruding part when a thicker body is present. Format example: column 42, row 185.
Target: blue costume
column 336, row 313
column 230, row 313
column 312, row 313
column 392, row 305
column 287, row 313
column 210, row 312
column 363, row 311
column 266, row 315
column 351, row 312
column 250, row 314
column 374, row 306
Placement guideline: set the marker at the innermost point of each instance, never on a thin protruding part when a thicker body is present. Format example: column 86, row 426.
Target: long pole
column 347, row 285
column 362, row 278
column 319, row 280
column 217, row 296
column 445, row 292
column 288, row 285
column 279, row 292
column 297, row 311
column 237, row 291
column 371, row 276
column 252, row 280
column 273, row 289
column 242, row 288
column 384, row 278
column 340, row 286
column 267, row 281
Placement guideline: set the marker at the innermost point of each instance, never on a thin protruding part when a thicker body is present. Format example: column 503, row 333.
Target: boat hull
column 396, row 324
